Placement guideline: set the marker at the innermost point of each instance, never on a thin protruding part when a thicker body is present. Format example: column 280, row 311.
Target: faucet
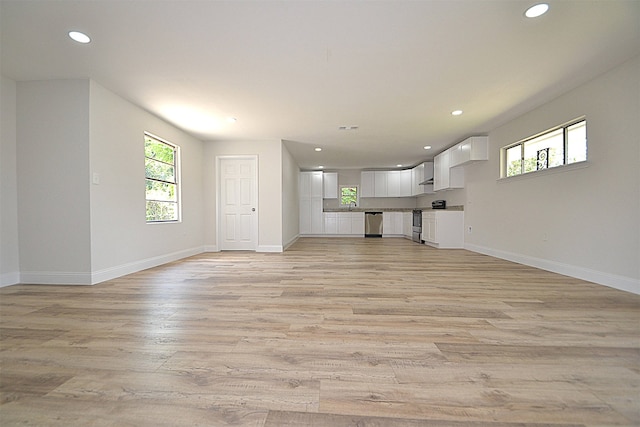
column 354, row 205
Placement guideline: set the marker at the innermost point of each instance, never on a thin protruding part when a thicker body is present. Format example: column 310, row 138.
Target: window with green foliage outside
column 349, row 195
column 161, row 165
column 560, row 146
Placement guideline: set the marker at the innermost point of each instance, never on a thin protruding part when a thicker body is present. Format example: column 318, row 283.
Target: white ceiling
column 297, row 70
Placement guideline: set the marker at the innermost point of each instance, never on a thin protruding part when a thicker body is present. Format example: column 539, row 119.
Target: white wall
column 53, row 181
column 121, row 240
column 75, row 231
column 582, row 222
column 9, row 259
column 290, row 199
column 270, row 204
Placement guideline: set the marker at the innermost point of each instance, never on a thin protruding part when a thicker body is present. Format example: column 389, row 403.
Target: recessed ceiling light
column 427, row 147
column 79, row 37
column 456, row 112
column 320, row 167
column 318, row 149
column 399, row 166
column 536, row 10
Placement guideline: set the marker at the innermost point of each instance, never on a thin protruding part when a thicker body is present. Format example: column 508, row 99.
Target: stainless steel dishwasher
column 373, row 224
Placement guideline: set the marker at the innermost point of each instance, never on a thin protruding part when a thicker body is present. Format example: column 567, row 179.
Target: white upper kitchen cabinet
column 417, row 176
column 406, row 183
column 421, row 173
column 380, row 186
column 398, row 183
column 441, row 171
column 316, row 184
column 393, row 183
column 389, row 183
column 311, row 184
column 310, row 192
column 444, row 176
column 471, row 149
column 367, row 184
column 330, row 184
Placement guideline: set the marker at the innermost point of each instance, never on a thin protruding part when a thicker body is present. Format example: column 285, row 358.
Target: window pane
column 161, row 187
column 536, row 155
column 157, row 150
column 159, row 170
column 348, row 195
column 162, row 211
column 577, row 142
column 161, row 191
column 514, row 160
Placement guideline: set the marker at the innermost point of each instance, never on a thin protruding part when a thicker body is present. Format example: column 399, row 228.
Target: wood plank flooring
column 333, row 332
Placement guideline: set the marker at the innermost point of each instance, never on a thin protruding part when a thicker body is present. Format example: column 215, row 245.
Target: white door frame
column 219, row 160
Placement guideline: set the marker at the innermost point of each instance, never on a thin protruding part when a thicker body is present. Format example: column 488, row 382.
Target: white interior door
column 238, row 220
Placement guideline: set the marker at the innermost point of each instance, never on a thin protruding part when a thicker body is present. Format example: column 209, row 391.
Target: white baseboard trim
column 343, row 235
column 611, row 280
column 135, row 266
column 260, row 248
column 269, row 248
column 291, row 242
column 8, row 279
column 55, row 278
column 86, row 278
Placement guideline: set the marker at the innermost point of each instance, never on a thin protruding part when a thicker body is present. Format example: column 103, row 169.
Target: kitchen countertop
column 449, row 208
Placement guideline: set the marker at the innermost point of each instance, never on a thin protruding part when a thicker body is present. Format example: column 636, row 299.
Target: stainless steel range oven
column 417, row 226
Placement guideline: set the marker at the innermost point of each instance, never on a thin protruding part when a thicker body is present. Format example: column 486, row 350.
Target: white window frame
column 177, row 180
column 504, row 166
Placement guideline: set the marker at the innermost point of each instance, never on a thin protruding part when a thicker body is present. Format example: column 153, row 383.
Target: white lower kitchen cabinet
column 311, row 218
column 407, row 224
column 330, row 222
column 392, row 224
column 357, row 223
column 344, row 223
column 443, row 229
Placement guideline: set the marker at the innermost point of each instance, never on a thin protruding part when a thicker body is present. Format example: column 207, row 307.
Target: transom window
column 161, row 171
column 349, row 196
column 557, row 147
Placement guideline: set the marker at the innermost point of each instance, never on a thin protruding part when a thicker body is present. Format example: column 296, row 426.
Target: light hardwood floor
column 333, row 332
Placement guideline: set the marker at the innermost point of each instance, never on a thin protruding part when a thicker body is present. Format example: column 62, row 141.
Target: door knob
column 253, row 209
